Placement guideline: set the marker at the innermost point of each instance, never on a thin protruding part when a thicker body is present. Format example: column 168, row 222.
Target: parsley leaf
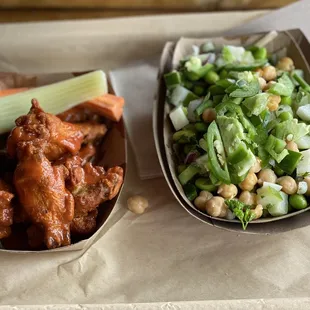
column 242, row 211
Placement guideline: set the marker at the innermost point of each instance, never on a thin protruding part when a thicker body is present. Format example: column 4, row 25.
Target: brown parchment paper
column 164, row 255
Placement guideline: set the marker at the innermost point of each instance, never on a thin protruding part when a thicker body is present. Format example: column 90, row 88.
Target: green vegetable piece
column 211, row 77
column 286, row 100
column 180, row 95
column 239, row 154
column 236, row 111
column 172, row 79
column 184, row 136
column 260, row 53
column 278, row 171
column 205, row 184
column 223, row 74
column 201, row 127
column 298, row 202
column 236, row 100
column 224, row 83
column 188, row 84
column 275, row 147
column 217, row 99
column 291, row 127
column 214, row 180
column 290, row 162
column 216, row 90
column 233, row 135
column 302, row 83
column 285, row 116
column 203, row 144
column 203, row 71
column 198, row 90
column 188, row 174
column 249, row 90
column 242, row 211
column 283, row 87
column 218, row 164
column 193, row 64
column 257, row 104
column 192, row 76
column 190, row 191
column 181, row 168
column 246, row 67
column 206, row 103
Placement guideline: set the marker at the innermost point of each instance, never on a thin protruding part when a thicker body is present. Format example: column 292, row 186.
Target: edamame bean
column 298, row 202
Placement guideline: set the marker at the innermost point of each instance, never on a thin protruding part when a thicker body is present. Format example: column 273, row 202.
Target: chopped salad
column 242, row 133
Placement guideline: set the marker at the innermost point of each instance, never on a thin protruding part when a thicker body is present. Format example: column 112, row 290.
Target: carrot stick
column 12, row 91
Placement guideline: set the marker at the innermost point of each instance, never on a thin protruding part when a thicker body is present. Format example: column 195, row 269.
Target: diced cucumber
column 181, row 96
column 304, row 165
column 280, row 208
column 304, row 112
column 188, row 174
column 178, row 118
column 268, row 195
column 303, row 143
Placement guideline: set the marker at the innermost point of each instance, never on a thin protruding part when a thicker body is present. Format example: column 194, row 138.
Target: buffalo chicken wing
column 61, row 137
column 6, row 210
column 42, row 193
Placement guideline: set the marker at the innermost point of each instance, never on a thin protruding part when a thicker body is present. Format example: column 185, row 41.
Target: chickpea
column 227, row 191
column 266, row 175
column 216, row 207
column 249, row 182
column 137, row 204
column 273, row 102
column 200, row 203
column 248, row 198
column 285, row 64
column 292, row 146
column 258, row 211
column 209, row 115
column 307, row 180
column 269, row 73
column 259, row 72
column 206, row 194
column 289, row 185
column 262, row 83
column 257, row 166
column 269, row 84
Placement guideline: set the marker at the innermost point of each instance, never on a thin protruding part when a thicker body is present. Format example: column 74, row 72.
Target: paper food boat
column 292, row 43
column 112, row 153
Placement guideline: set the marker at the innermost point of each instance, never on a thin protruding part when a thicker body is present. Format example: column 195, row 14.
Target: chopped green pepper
column 276, row 148
column 220, row 171
column 172, row 79
column 216, row 90
column 205, row 184
column 211, row 77
column 190, row 191
column 290, row 162
column 303, row 84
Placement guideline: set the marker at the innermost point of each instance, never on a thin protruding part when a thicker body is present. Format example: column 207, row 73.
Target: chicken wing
column 79, row 114
column 90, row 186
column 61, row 137
column 6, row 210
column 42, row 193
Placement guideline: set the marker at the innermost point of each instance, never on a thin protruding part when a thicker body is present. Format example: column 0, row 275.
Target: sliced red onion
column 191, row 157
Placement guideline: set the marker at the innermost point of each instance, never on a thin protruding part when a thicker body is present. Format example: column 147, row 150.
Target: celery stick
column 54, row 98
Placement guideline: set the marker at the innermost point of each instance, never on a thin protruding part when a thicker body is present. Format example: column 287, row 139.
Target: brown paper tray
column 112, row 151
column 295, row 45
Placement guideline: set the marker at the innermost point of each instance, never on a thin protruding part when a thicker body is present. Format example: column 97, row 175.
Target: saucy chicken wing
column 6, row 210
column 90, row 186
column 42, row 193
column 61, row 137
